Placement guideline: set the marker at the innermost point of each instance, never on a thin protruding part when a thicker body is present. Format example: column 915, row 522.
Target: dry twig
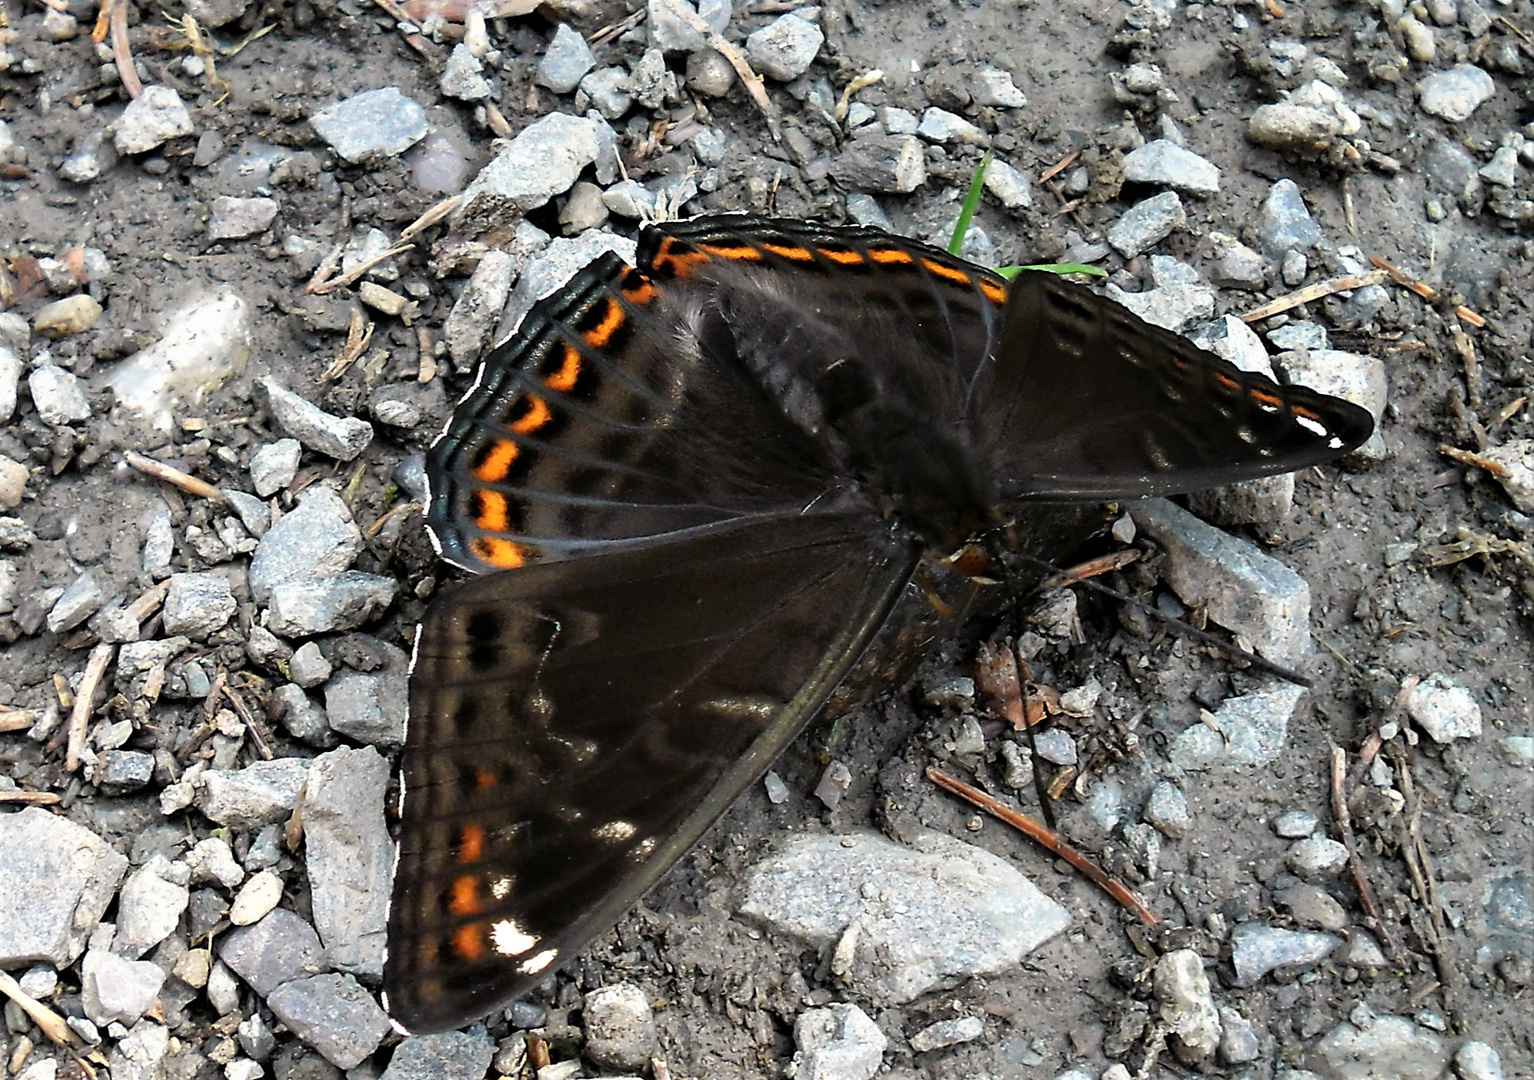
column 173, row 476
column 48, row 1022
column 1103, row 564
column 1311, row 293
column 112, row 19
column 31, row 798
column 1349, row 841
column 79, row 716
column 1048, row 839
column 1466, row 457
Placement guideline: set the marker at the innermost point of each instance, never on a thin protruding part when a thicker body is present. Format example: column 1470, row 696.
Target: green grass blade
column 971, row 204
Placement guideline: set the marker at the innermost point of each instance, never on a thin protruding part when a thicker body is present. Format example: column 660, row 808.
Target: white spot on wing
column 537, row 963
column 1311, row 426
column 615, row 831
column 510, row 939
column 500, row 888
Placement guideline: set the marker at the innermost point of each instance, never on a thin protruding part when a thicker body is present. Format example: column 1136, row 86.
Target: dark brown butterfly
column 696, row 489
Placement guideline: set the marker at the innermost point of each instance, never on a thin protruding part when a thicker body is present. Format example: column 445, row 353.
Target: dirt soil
column 1378, row 622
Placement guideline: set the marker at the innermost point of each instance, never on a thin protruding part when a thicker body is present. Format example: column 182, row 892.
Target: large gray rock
column 924, row 917
column 279, row 948
column 56, row 880
column 318, row 539
column 333, row 1014
column 349, row 856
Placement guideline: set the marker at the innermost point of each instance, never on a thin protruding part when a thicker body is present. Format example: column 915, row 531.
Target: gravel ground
column 167, row 899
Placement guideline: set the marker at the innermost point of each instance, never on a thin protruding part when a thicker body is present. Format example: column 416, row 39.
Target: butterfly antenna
column 1235, row 652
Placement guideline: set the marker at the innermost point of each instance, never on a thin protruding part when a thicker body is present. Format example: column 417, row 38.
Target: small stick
column 1315, row 292
column 426, row 365
column 1103, row 564
column 79, row 716
column 1349, row 841
column 1466, row 457
column 49, row 1022
column 359, row 331
column 1508, row 411
column 173, row 476
column 17, row 719
column 622, row 26
column 35, row 798
column 149, row 602
column 1424, row 290
column 1048, row 839
column 112, row 19
column 1466, row 349
column 1058, row 167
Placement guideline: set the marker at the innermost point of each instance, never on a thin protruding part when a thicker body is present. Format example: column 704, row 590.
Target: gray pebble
column 671, row 34
column 94, row 156
column 893, row 164
column 544, row 159
column 10, row 382
column 620, row 1028
column 463, row 78
column 1167, row 810
column 57, row 395
column 303, row 719
column 1186, row 1005
column 566, row 61
column 153, row 118
column 1169, row 165
column 651, row 82
column 350, row 858
column 1283, row 221
column 343, row 601
column 1257, row 949
column 370, row 706
column 277, row 949
column 340, row 437
column 374, row 124
column 78, row 602
column 116, row 989
column 451, row 1055
column 316, row 539
column 333, row 1014
column 472, row 321
column 56, row 879
column 947, row 1033
column 150, row 905
column 941, row 126
column 1238, row 1042
column 1009, row 187
column 308, row 667
column 1477, row 1061
column 1295, row 824
column 710, row 73
column 1370, row 1045
column 1441, row 707
column 1172, row 307
column 273, row 466
column 993, row 88
column 197, row 605
column 234, row 219
column 1313, row 908
column 1456, row 93
column 608, row 89
column 838, row 1042
column 262, row 792
column 785, row 48
column 124, row 771
column 1147, row 223
column 254, row 514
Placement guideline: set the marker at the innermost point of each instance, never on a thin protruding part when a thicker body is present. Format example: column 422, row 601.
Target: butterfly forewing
column 576, row 725
column 1091, row 402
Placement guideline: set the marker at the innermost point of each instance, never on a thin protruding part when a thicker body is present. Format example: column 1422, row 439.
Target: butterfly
column 692, row 491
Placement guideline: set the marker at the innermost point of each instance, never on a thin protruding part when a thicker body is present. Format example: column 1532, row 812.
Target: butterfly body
column 697, row 489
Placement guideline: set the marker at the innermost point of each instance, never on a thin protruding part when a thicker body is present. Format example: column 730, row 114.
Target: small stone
column 776, row 790
column 1306, row 122
column 345, row 601
column 670, row 34
column 450, row 1055
column 124, row 771
column 941, row 126
column 235, row 219
column 1316, row 856
column 309, row 667
column 620, row 1028
column 10, row 378
column 1238, row 1042
column 339, row 437
column 1009, row 187
column 993, row 88
column 1257, row 950
column 1169, row 165
column 116, row 989
column 275, row 950
column 333, row 1014
column 273, row 466
column 838, row 1042
column 583, row 209
column 59, row 877
column 886, row 164
column 212, row 860
column 197, row 605
column 834, row 782
column 462, row 76
column 1418, row 39
column 1295, row 824
column 1187, row 1007
column 544, row 159
column 473, row 318
column 82, row 599
column 1167, row 810
column 1236, row 266
column 71, row 315
column 566, row 61
column 1312, row 908
column 349, row 857
column 58, row 26
column 150, row 906
column 1477, row 1061
column 1516, row 457
column 1283, row 222
column 785, row 48
column 1367, row 1045
column 608, row 89
column 262, row 792
column 650, row 81
column 1502, row 169
column 93, row 157
column 1147, row 223
column 256, row 899
column 381, row 123
column 1456, row 93
column 947, row 1033
column 153, row 118
column 1444, row 709
column 1171, row 307
column 371, row 706
column 57, row 395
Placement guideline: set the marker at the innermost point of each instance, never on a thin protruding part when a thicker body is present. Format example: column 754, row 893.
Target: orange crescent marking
column 471, row 844
column 842, row 258
column 496, row 463
column 1308, row 414
column 996, row 294
column 793, row 254
column 484, row 779
column 734, row 252
column 678, row 264
column 889, row 256
column 468, row 942
column 643, row 293
column 600, row 334
column 491, row 515
column 1264, row 398
column 502, row 554
column 948, row 273
column 1229, row 383
column 563, row 380
column 462, row 897
column 535, row 417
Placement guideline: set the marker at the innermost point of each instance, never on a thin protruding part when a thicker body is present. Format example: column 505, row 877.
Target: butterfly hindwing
column 1089, row 401
column 575, row 726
